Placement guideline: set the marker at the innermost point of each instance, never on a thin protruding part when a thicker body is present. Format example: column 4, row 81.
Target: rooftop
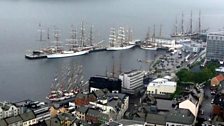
column 162, row 81
column 219, row 33
column 156, row 119
column 27, row 116
column 3, row 122
column 182, row 116
column 126, row 122
column 13, row 119
column 82, row 109
column 164, row 105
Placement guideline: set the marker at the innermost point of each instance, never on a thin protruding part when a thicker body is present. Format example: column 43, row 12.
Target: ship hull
column 63, row 55
column 149, row 48
column 120, row 48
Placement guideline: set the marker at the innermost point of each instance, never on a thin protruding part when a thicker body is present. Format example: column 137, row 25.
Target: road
column 206, row 105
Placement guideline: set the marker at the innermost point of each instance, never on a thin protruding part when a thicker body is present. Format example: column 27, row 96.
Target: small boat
column 36, row 54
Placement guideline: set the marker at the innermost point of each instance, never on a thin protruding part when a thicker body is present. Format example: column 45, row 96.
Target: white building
column 8, row 110
column 167, row 43
column 161, row 86
column 132, row 80
column 192, row 47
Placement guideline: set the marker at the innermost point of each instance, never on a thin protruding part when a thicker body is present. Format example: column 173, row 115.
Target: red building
column 84, row 99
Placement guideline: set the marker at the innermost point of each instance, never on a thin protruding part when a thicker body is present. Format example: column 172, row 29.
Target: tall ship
column 189, row 32
column 150, row 42
column 74, row 48
column 118, row 41
column 67, row 84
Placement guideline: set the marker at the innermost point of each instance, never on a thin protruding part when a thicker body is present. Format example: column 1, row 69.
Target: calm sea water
column 19, row 19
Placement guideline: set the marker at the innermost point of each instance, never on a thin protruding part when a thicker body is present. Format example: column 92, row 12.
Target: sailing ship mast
column 112, row 37
column 176, row 26
column 199, row 22
column 191, row 25
column 154, row 33
column 182, row 24
column 129, row 35
column 41, row 32
column 121, row 36
column 48, row 33
column 82, row 39
column 91, row 36
column 57, row 37
column 160, row 31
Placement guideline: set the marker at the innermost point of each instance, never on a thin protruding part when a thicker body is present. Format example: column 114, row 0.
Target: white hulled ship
column 149, row 43
column 119, row 42
column 74, row 48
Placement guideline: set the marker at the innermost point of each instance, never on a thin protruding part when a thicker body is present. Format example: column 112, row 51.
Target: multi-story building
column 132, row 80
column 103, row 82
column 8, row 110
column 161, row 86
column 215, row 46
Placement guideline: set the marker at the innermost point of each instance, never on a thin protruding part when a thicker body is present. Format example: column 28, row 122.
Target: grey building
column 215, row 46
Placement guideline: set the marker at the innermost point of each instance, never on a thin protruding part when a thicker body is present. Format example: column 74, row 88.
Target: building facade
column 8, row 110
column 161, row 86
column 215, row 46
column 132, row 80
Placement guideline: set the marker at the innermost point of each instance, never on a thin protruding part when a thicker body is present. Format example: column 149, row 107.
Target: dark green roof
column 66, row 116
column 53, row 122
column 181, row 116
column 155, row 119
column 82, row 109
column 3, row 122
column 13, row 119
column 28, row 116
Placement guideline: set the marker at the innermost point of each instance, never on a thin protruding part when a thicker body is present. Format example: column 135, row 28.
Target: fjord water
column 19, row 19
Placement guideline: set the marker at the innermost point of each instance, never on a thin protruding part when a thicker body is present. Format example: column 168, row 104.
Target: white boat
column 64, row 54
column 120, row 48
column 149, row 47
column 149, row 43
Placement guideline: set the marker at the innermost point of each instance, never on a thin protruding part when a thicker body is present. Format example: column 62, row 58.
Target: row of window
column 215, row 37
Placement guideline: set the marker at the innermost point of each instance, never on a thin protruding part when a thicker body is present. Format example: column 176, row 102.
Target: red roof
column 220, row 77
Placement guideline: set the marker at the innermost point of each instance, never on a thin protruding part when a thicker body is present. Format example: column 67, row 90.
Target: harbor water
column 22, row 79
